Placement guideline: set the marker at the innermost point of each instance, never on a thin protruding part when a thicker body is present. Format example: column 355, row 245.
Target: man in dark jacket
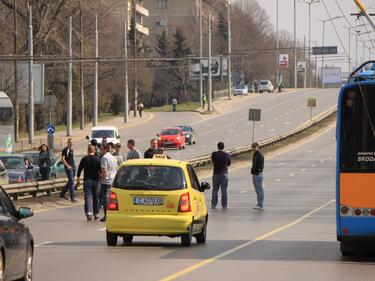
column 257, row 172
column 221, row 161
column 149, row 153
column 90, row 165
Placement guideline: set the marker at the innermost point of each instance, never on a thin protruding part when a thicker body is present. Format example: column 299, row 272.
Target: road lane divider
column 208, row 261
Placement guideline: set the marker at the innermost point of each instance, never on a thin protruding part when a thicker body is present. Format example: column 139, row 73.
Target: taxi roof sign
column 160, row 156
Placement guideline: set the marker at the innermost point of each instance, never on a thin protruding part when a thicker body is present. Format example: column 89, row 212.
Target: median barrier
column 34, row 189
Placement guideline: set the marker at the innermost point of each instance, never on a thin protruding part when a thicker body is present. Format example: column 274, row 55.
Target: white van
column 109, row 132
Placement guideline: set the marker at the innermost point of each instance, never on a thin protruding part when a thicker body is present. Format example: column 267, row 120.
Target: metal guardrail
column 48, row 187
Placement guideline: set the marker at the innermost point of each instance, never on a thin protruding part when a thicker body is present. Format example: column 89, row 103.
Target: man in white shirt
column 133, row 152
column 109, row 166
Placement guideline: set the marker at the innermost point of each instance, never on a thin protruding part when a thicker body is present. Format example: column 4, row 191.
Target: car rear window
column 98, row 134
column 264, row 83
column 170, row 132
column 33, row 157
column 240, row 87
column 149, row 177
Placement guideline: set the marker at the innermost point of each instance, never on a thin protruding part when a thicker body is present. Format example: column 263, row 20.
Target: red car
column 172, row 137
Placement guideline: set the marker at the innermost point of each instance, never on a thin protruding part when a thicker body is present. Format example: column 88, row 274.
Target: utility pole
column 277, row 44
column 356, row 50
column 304, row 58
column 96, row 77
column 126, row 98
column 229, row 52
column 69, row 122
column 295, row 44
column 209, row 64
column 200, row 52
column 135, row 56
column 82, row 123
column 349, row 60
column 31, row 79
column 16, row 107
column 316, row 67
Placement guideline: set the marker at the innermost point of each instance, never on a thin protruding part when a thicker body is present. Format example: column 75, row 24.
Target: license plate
column 168, row 143
column 148, row 201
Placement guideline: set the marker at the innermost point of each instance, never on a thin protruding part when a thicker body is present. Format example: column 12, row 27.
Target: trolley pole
column 126, row 98
column 96, row 76
column 229, row 52
column 209, row 65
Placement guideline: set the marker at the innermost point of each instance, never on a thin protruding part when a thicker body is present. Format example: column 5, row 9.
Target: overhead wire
column 334, row 27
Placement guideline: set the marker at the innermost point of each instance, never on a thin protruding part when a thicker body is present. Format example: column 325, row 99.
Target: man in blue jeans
column 257, row 173
column 67, row 157
column 221, row 161
column 90, row 165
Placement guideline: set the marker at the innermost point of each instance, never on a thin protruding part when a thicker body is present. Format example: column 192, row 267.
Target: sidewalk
column 61, row 137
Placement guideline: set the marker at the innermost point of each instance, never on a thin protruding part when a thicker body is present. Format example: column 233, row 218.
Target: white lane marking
column 313, row 165
column 205, row 145
column 278, row 180
column 243, row 191
column 231, row 131
column 310, row 151
column 303, row 170
column 275, row 119
column 272, row 130
column 291, row 175
column 237, row 135
column 102, row 229
column 287, row 123
column 322, row 161
column 331, row 157
column 43, row 244
column 281, row 164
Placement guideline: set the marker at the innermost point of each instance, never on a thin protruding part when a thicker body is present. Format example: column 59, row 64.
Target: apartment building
column 168, row 14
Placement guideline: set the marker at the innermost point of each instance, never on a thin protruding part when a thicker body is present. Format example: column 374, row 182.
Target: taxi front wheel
column 111, row 239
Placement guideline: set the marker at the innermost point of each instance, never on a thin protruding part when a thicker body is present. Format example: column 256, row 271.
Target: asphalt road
column 281, row 112
column 293, row 238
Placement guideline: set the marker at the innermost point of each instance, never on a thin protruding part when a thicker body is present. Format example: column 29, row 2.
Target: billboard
column 219, row 67
column 7, row 80
column 331, row 75
column 329, row 50
column 283, row 60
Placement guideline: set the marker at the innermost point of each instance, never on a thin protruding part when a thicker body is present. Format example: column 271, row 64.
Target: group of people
column 221, row 162
column 99, row 168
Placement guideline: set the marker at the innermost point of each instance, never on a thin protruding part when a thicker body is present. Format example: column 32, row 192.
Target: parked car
column 240, row 90
column 171, row 137
column 251, row 88
column 16, row 241
column 57, row 170
column 157, row 197
column 17, row 170
column 33, row 156
column 189, row 133
column 109, row 132
column 265, row 86
column 4, row 179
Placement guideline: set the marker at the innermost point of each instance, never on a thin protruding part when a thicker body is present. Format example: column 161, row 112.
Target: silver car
column 265, row 86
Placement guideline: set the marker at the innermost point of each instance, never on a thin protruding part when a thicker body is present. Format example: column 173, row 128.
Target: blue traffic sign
column 50, row 129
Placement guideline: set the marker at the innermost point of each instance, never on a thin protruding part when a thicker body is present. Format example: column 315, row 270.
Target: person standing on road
column 117, row 153
column 133, row 152
column 204, row 100
column 149, row 153
column 44, row 162
column 174, row 104
column 221, row 161
column 67, row 157
column 109, row 166
column 90, row 165
column 257, row 173
column 140, row 109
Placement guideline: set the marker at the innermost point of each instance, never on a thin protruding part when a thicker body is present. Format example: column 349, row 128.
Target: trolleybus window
column 357, row 138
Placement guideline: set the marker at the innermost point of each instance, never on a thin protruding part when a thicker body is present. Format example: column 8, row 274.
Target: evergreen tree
column 222, row 26
column 180, row 48
column 163, row 47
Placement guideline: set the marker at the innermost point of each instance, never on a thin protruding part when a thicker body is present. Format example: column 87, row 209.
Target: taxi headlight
column 178, row 138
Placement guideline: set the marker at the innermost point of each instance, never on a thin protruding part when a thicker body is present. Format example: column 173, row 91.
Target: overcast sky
column 318, row 12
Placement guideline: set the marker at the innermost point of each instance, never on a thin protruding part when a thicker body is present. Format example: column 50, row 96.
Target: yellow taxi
column 157, row 197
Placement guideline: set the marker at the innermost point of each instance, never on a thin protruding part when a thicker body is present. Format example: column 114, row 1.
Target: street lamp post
column 295, row 44
column 323, row 43
column 310, row 2
column 277, row 44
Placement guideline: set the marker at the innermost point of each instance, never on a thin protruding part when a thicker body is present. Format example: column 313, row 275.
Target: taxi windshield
column 148, row 177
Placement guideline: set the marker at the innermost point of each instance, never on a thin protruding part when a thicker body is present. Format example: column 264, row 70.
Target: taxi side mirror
column 205, row 186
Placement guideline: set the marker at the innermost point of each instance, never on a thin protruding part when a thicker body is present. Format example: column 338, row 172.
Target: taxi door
column 198, row 200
